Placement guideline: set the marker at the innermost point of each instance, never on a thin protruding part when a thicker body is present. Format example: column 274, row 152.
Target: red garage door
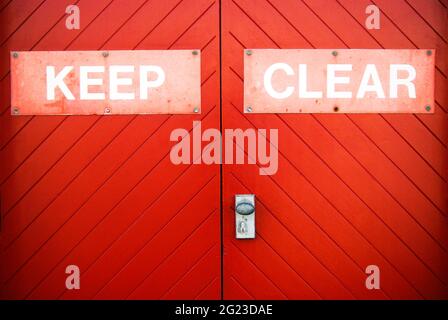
column 101, row 193
column 350, row 190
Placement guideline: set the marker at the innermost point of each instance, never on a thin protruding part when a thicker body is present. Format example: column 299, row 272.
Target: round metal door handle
column 245, row 208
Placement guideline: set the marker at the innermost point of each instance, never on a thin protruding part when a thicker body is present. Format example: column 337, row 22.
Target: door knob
column 245, row 208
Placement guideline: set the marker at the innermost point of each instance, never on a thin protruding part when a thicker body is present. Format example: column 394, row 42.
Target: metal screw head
column 196, row 110
column 428, row 52
column 15, row 110
column 249, row 52
column 107, row 110
column 428, row 108
column 105, row 54
column 195, row 52
column 336, row 109
column 334, row 53
column 249, row 109
column 15, row 54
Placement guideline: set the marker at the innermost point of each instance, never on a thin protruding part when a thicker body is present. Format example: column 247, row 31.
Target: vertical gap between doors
column 220, row 165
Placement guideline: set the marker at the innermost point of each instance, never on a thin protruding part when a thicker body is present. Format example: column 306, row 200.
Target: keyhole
column 243, row 227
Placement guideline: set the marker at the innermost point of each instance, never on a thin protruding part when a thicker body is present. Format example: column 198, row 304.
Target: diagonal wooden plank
column 32, row 30
column 4, row 4
column 100, row 193
column 163, row 243
column 250, row 272
column 120, row 219
column 234, row 290
column 211, row 291
column 354, row 245
column 434, row 14
column 184, row 260
column 198, row 278
column 314, row 272
column 14, row 15
column 34, row 204
column 44, row 158
column 415, row 29
column 408, row 196
column 284, row 277
column 50, row 253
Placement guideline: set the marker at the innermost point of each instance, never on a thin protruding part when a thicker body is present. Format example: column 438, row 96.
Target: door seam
column 221, row 220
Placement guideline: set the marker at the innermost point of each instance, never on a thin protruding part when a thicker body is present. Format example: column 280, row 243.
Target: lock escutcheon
column 245, row 216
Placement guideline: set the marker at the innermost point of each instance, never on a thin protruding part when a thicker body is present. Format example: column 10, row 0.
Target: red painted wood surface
column 351, row 190
column 101, row 192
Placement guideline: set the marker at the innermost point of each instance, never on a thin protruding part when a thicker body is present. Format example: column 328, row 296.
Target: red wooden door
column 101, row 192
column 350, row 190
